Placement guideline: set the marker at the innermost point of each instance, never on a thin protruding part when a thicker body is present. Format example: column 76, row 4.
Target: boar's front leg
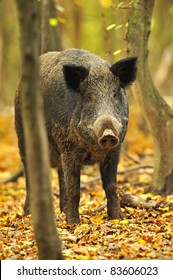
column 27, row 206
column 71, row 170
column 108, row 170
column 63, row 196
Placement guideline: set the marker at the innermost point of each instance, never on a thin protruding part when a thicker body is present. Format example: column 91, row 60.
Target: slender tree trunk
column 157, row 113
column 50, row 39
column 77, row 16
column 46, row 235
column 44, row 8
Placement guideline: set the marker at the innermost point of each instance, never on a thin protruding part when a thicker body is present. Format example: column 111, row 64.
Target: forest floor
column 143, row 234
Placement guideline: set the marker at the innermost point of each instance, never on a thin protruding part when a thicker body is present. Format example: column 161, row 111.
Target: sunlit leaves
column 116, row 27
column 60, row 8
column 106, row 3
column 111, row 26
column 54, row 21
column 117, row 52
column 120, row 5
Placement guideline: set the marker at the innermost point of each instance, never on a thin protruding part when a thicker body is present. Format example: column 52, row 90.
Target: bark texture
column 49, row 246
column 156, row 111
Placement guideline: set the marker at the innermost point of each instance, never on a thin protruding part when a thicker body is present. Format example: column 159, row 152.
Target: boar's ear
column 126, row 70
column 74, row 74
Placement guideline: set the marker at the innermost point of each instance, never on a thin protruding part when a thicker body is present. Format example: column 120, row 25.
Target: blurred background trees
column 98, row 26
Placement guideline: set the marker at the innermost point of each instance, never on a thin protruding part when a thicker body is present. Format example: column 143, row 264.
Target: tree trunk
column 77, row 16
column 157, row 113
column 35, row 135
column 50, row 39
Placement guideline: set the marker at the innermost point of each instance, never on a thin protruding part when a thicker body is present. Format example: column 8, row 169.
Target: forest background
column 100, row 27
column 97, row 26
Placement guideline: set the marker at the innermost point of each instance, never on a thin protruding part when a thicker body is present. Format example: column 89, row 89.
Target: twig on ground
column 133, row 201
column 13, row 177
column 131, row 158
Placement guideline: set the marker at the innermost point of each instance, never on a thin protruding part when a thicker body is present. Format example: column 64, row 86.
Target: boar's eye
column 91, row 97
column 115, row 93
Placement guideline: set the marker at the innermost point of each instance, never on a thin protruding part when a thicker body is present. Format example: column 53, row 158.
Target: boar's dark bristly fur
column 86, row 117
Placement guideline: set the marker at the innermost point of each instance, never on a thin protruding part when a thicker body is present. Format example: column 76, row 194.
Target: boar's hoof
column 73, row 220
column 118, row 214
column 27, row 211
column 27, row 208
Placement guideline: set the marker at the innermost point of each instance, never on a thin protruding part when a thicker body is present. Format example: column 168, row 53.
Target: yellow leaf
column 96, row 232
column 106, row 3
column 117, row 52
column 67, row 252
column 141, row 241
column 110, row 26
column 97, row 219
column 53, row 21
column 61, row 20
column 120, row 5
column 115, row 221
column 87, row 257
column 124, row 222
column 144, row 178
column 155, row 246
column 82, row 228
column 118, row 26
column 164, row 208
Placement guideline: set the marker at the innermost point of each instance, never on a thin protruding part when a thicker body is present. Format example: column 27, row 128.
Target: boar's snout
column 107, row 129
column 108, row 140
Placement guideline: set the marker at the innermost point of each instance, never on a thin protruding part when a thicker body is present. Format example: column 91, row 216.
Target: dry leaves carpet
column 143, row 234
